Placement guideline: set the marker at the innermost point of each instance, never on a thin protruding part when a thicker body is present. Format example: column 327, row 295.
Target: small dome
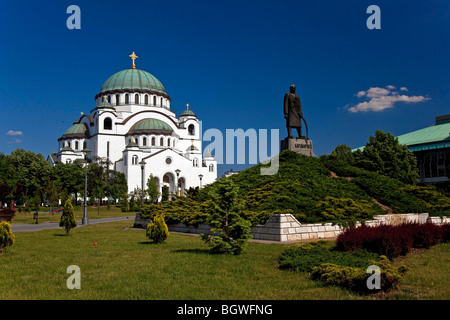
column 192, row 148
column 133, row 80
column 187, row 113
column 78, row 130
column 151, row 125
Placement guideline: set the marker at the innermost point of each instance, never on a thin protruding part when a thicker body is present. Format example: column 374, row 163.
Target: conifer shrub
column 67, row 220
column 157, row 229
column 229, row 230
column 347, row 269
column 355, row 278
column 7, row 237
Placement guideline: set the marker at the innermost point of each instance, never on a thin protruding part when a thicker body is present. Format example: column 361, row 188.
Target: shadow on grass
column 150, row 242
column 196, row 251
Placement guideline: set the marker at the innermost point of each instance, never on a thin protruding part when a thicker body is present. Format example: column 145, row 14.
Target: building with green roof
column 431, row 146
column 133, row 127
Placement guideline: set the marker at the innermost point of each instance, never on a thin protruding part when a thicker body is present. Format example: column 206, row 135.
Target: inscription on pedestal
column 299, row 145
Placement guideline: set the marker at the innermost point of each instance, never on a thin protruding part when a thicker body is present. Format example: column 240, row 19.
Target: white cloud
column 14, row 133
column 380, row 99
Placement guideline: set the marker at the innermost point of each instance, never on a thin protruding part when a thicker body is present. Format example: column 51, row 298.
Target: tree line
column 29, row 180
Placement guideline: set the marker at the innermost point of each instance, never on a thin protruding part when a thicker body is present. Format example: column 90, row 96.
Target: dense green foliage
column 399, row 196
column 6, row 236
column 348, row 269
column 230, row 231
column 383, row 154
column 157, row 230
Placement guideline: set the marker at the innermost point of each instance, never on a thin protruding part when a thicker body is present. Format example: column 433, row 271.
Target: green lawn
column 22, row 217
column 125, row 265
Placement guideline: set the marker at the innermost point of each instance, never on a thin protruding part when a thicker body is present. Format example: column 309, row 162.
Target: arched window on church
column 76, row 145
column 191, row 130
column 144, row 141
column 161, row 142
column 154, row 101
column 109, row 99
column 161, row 102
column 84, row 145
column 195, row 162
column 146, row 99
column 117, row 99
column 153, row 141
column 107, row 124
column 211, row 168
column 136, row 98
column 134, row 160
column 127, row 98
column 168, row 142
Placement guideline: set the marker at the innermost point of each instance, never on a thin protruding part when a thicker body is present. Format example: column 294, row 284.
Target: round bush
column 157, row 229
column 6, row 236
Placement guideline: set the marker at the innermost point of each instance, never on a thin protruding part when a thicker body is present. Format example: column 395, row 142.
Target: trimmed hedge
column 392, row 241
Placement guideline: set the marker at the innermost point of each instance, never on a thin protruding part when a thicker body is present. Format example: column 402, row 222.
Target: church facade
column 134, row 129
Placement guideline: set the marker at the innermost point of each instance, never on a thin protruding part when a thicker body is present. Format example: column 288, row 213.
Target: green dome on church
column 151, row 125
column 77, row 130
column 134, row 80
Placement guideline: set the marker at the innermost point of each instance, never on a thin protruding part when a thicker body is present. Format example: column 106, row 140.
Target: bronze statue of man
column 293, row 113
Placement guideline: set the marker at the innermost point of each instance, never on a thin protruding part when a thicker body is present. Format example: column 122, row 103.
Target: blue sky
column 232, row 61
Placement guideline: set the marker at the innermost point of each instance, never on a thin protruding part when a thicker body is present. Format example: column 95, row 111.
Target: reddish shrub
column 426, row 235
column 445, row 232
column 392, row 241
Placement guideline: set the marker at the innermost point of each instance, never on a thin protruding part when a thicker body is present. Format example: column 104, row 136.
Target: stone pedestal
column 299, row 145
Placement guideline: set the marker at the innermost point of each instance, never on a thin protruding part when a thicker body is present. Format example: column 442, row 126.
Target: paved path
column 24, row 227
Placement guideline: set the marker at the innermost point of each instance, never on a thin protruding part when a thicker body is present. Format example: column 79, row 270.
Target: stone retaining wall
column 286, row 228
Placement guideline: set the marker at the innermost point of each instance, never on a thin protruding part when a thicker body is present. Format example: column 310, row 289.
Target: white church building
column 132, row 124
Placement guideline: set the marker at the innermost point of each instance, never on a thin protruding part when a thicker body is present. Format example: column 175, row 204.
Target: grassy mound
column 304, row 186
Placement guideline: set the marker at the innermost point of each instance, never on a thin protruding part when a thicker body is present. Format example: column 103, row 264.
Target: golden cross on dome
column 187, row 106
column 133, row 57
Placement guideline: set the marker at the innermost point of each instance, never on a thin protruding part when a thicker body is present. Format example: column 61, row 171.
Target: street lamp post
column 200, row 176
column 86, row 153
column 178, row 183
column 142, row 164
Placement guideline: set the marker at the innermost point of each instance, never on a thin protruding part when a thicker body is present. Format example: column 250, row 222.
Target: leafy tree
column 125, row 204
column 52, row 193
column 165, row 194
column 343, row 153
column 232, row 229
column 30, row 170
column 157, row 229
column 97, row 182
column 70, row 176
column 384, row 154
column 68, row 220
column 152, row 189
column 117, row 184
